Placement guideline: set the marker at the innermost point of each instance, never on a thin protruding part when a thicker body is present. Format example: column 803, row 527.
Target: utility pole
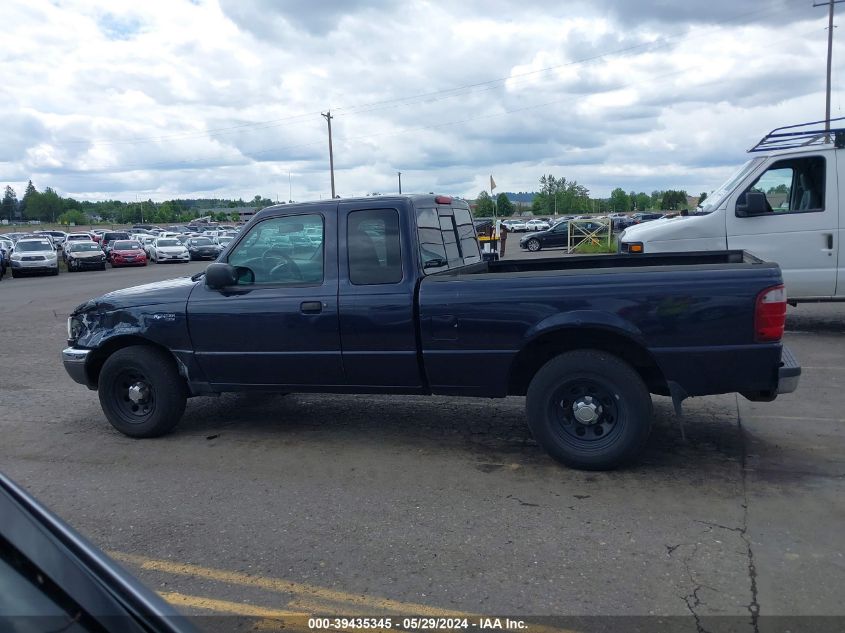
column 290, row 189
column 328, row 117
column 830, row 4
column 399, row 173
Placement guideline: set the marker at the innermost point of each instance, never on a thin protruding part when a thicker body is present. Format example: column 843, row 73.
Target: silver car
column 34, row 255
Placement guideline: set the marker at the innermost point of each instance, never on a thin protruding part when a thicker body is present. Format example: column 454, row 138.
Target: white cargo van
column 786, row 204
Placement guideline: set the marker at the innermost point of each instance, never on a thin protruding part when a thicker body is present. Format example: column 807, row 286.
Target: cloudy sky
column 222, row 98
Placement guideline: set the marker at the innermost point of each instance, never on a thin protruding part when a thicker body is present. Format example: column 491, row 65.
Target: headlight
column 74, row 327
column 16, row 257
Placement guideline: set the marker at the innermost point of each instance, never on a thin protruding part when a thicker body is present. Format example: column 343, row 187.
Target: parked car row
column 40, row 252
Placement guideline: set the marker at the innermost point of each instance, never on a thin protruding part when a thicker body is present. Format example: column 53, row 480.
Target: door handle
column 829, row 237
column 311, row 307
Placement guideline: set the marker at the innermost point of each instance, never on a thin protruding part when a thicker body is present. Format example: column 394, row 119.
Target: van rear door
column 800, row 227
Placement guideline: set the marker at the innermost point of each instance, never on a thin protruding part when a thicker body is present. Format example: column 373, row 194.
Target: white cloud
column 172, row 98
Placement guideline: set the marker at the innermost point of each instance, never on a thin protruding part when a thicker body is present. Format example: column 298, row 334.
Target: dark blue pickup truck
column 391, row 295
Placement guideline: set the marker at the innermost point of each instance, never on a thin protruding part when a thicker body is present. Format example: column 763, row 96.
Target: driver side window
column 793, row 185
column 281, row 251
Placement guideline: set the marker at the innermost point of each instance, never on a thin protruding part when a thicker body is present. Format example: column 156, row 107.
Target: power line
column 446, row 93
column 250, row 158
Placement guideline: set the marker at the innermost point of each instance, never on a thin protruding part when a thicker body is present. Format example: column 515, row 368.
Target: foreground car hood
column 172, row 290
column 667, row 228
column 528, row 236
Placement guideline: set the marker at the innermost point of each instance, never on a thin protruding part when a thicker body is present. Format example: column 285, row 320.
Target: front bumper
column 36, row 266
column 87, row 262
column 138, row 261
column 74, row 361
column 789, row 372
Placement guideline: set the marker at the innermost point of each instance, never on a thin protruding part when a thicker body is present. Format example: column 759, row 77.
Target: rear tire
column 14, row 274
column 141, row 391
column 589, row 410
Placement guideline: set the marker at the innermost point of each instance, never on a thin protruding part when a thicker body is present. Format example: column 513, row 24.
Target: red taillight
column 770, row 314
column 443, row 199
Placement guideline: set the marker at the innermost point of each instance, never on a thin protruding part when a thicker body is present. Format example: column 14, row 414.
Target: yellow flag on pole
column 492, row 183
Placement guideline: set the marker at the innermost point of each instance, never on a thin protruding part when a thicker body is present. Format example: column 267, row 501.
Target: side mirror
column 220, row 275
column 755, row 204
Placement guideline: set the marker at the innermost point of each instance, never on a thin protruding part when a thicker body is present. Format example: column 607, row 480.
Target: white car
column 169, row 249
column 34, row 255
column 148, row 242
column 74, row 237
column 515, row 226
column 537, row 225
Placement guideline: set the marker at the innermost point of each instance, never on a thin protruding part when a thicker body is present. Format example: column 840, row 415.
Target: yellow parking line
column 306, row 598
column 224, row 606
column 282, row 586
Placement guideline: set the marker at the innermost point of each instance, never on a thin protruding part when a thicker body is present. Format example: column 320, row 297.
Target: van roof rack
column 801, row 135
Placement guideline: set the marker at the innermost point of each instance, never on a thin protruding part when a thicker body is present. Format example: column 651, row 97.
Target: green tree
column 73, row 216
column 484, row 207
column 9, row 205
column 702, row 197
column 642, row 201
column 656, row 198
column 504, row 207
column 235, row 216
column 30, row 191
column 620, row 202
column 673, row 200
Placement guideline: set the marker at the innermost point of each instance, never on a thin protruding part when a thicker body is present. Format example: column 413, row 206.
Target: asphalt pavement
column 265, row 504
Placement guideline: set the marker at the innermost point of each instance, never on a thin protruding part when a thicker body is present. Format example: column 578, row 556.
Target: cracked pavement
column 445, row 502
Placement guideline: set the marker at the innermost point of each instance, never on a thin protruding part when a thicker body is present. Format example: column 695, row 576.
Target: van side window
column 792, row 185
column 372, row 239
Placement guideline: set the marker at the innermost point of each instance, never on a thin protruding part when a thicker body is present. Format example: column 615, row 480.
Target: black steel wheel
column 141, row 391
column 589, row 409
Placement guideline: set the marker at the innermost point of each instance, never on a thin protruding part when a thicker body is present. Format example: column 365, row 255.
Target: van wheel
column 534, row 245
column 141, row 391
column 589, row 410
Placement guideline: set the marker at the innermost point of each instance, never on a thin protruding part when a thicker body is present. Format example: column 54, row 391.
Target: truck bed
column 691, row 314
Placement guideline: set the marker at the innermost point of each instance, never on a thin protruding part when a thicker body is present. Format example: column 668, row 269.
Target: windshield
column 126, row 245
column 714, row 198
column 34, row 246
column 168, row 243
column 83, row 246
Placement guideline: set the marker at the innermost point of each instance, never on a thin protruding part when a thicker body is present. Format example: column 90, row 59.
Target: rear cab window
column 446, row 237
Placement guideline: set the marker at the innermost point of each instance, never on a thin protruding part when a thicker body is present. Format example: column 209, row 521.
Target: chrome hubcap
column 587, row 410
column 139, row 392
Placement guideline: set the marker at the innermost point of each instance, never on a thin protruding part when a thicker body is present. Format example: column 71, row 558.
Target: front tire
column 534, row 245
column 141, row 391
column 589, row 410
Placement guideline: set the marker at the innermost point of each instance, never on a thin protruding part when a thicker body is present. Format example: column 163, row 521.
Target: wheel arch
column 555, row 341
column 99, row 355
